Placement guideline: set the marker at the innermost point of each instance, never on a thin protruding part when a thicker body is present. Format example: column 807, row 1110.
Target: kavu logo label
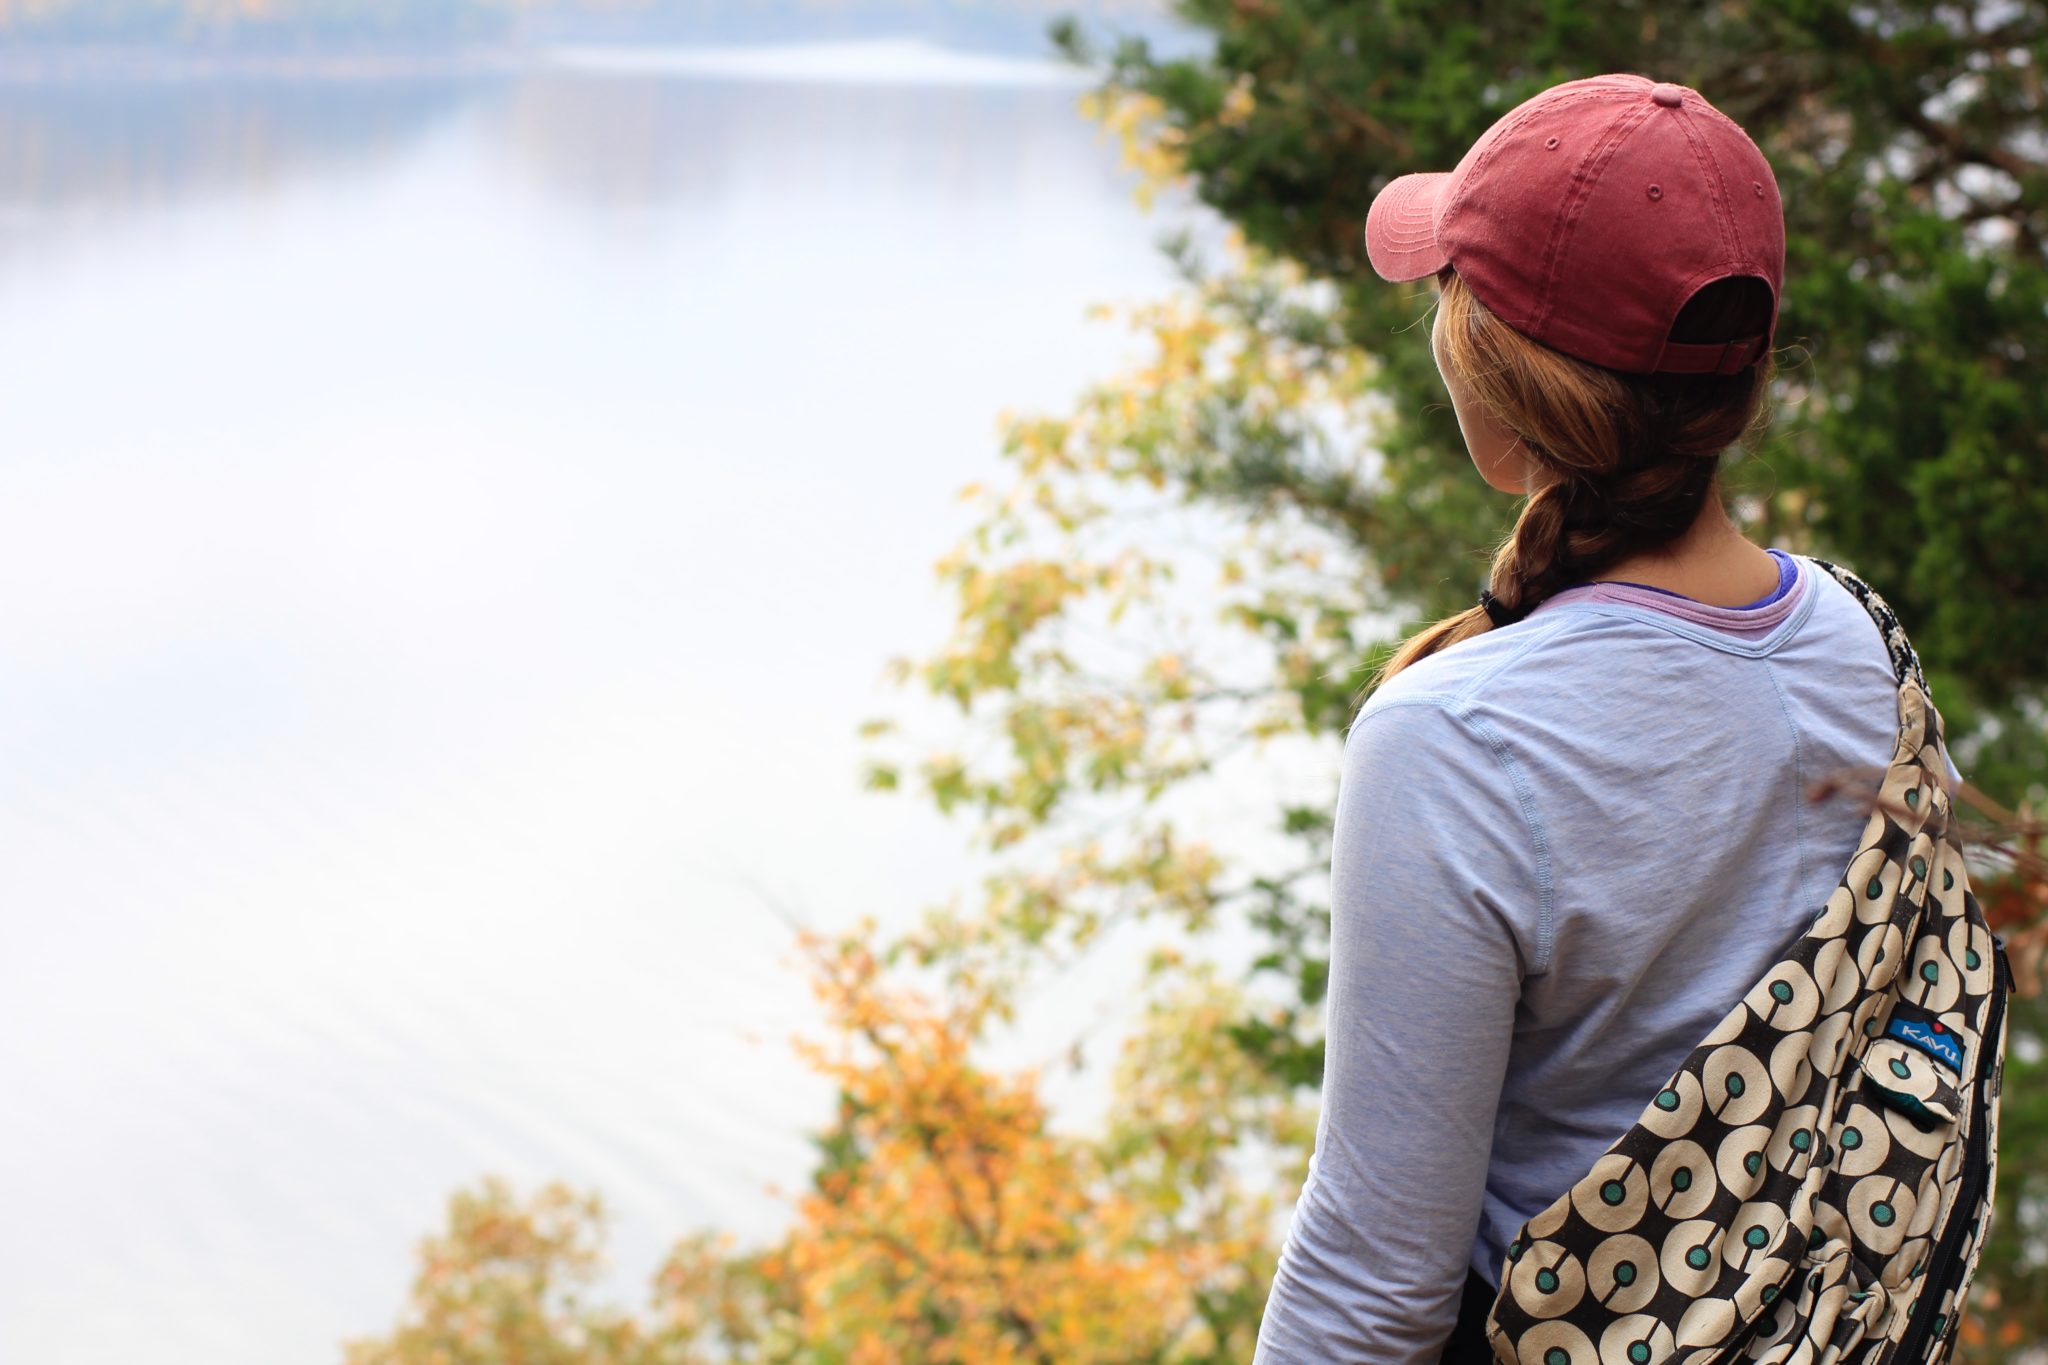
column 1923, row 1031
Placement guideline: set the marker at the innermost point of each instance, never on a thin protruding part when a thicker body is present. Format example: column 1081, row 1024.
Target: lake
column 452, row 525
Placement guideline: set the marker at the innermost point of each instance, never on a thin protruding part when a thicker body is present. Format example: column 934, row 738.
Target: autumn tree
column 504, row 1284
column 950, row 1222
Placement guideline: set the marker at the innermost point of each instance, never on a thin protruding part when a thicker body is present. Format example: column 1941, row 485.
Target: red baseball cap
column 1587, row 216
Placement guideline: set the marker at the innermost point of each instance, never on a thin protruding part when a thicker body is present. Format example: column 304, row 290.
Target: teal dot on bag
column 1801, row 1140
column 1770, row 1292
column 1940, row 1321
column 1624, row 1273
column 1852, row 1138
column 1613, row 1192
column 1781, row 991
column 1698, row 1257
column 1514, row 1251
column 1753, row 1162
column 1756, row 1236
column 1948, row 879
column 1667, row 1099
column 1919, row 866
column 1557, row 1355
column 1901, row 1070
column 1875, row 889
column 1971, row 960
column 1546, row 1281
column 1882, row 1214
column 1870, row 1026
column 1736, row 1085
column 1639, row 1351
column 1816, row 1237
column 1681, row 1179
column 1913, row 799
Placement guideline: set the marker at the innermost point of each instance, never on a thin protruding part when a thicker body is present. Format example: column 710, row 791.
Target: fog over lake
column 451, row 527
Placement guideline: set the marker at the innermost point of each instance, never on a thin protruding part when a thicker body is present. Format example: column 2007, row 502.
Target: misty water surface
column 450, row 530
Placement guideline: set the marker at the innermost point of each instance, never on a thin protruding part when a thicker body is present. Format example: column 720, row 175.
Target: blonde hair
column 1619, row 463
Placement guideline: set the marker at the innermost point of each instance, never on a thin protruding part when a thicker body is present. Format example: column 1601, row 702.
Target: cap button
column 1667, row 94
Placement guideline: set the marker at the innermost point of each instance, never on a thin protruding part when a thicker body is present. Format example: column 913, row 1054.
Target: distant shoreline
column 899, row 60
column 29, row 66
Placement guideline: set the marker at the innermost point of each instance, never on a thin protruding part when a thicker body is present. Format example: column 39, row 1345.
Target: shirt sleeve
column 1438, row 901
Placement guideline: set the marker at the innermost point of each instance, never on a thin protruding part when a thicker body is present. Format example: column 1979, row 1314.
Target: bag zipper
column 1913, row 1346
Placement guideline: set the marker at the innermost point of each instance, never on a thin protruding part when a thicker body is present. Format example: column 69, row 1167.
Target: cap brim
column 1400, row 227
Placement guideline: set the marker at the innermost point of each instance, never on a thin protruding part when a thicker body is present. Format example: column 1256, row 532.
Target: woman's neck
column 1712, row 563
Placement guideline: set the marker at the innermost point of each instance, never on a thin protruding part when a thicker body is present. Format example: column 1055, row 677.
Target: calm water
column 450, row 530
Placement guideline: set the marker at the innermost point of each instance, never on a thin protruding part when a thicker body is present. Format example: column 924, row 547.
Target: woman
column 1572, row 827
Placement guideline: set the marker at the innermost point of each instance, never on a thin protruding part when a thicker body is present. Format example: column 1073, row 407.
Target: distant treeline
column 241, row 23
column 300, row 25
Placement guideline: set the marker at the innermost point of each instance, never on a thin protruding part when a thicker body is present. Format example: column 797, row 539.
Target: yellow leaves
column 1239, row 102
column 1169, row 673
column 1147, row 143
column 949, row 1221
column 960, row 1228
column 500, row 1286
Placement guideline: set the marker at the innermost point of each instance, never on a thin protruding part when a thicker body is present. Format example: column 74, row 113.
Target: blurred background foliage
column 1288, row 422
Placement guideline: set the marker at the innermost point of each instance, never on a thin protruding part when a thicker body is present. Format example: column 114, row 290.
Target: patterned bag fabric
column 1814, row 1184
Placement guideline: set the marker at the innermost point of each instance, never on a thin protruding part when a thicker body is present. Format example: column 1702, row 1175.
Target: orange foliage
column 955, row 1225
column 949, row 1224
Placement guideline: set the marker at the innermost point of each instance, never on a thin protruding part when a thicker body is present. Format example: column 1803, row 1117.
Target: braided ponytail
column 1619, row 463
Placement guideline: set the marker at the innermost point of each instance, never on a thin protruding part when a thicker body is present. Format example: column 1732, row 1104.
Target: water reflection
column 101, row 151
column 108, row 150
column 643, row 141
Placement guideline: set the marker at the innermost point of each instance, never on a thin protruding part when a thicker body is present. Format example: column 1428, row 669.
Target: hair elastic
column 1500, row 613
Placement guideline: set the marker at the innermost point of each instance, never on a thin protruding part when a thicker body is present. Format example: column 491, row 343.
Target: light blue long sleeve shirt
column 1563, row 850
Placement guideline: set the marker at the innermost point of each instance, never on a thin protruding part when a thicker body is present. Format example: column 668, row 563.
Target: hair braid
column 1573, row 527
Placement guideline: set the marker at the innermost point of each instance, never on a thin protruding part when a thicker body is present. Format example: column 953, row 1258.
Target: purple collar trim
column 1750, row 618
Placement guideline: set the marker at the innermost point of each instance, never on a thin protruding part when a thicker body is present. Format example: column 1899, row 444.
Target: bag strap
column 1905, row 662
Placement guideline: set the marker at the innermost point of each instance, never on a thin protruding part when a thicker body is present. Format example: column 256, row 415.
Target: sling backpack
column 1814, row 1184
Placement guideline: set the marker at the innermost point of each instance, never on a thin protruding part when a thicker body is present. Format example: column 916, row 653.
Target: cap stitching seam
column 1567, row 214
column 1703, row 152
column 1500, row 135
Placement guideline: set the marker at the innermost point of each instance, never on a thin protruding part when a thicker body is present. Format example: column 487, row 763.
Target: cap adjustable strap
column 1696, row 357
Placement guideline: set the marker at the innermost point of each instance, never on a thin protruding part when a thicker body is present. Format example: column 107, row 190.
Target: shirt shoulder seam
column 1459, row 710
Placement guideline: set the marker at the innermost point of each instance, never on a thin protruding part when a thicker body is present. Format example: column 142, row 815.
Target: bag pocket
column 1905, row 1077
